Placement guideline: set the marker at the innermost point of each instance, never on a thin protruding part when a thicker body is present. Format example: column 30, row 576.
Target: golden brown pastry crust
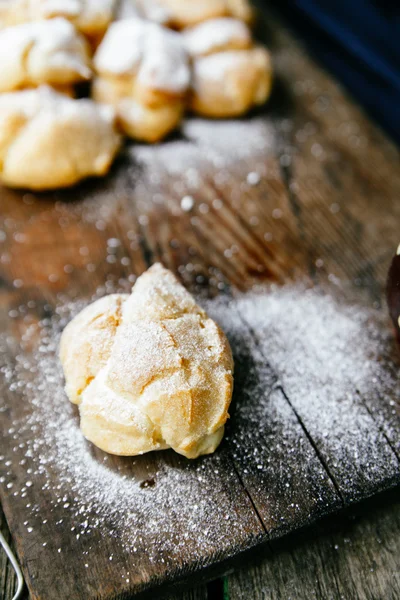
column 87, row 341
column 14, row 12
column 230, row 74
column 164, row 378
column 217, row 35
column 229, row 84
column 48, row 140
column 140, row 121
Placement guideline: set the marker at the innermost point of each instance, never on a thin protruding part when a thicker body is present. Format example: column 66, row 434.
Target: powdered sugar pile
column 324, row 355
column 217, row 143
column 233, row 139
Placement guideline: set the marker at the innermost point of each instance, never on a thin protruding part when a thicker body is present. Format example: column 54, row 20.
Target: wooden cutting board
column 303, row 197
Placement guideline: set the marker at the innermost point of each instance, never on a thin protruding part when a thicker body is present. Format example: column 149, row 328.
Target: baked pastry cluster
column 149, row 370
column 147, row 82
column 48, row 140
column 148, row 60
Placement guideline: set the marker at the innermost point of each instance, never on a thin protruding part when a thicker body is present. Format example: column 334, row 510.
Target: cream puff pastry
column 231, row 75
column 147, row 82
column 48, row 140
column 43, row 52
column 149, row 371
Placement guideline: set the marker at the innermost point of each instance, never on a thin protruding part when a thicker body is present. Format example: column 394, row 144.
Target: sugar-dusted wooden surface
column 354, row 555
column 325, row 210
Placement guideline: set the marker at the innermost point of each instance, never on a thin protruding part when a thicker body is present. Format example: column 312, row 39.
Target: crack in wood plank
column 379, row 426
column 300, row 421
column 253, row 504
column 314, row 446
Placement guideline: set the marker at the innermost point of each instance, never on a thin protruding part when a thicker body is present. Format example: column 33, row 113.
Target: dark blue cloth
column 359, row 41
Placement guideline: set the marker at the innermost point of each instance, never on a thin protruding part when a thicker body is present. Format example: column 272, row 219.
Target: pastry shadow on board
column 245, row 380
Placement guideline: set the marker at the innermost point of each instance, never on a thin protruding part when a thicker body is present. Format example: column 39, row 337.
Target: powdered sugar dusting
column 230, row 146
column 143, row 510
column 215, row 35
column 45, row 47
column 153, row 53
column 319, row 351
column 330, row 361
column 221, row 144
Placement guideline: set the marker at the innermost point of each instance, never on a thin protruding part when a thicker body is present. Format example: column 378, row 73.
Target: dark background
column 359, row 42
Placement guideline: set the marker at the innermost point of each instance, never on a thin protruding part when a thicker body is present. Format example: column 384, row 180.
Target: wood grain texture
column 354, row 556
column 323, row 209
column 8, row 580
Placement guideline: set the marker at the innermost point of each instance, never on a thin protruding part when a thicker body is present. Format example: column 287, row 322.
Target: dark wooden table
column 351, row 556
column 336, row 153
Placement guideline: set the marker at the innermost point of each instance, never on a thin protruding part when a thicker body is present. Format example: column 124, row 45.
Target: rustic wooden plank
column 195, row 594
column 352, row 251
column 350, row 443
column 286, row 194
column 8, row 579
column 56, row 528
column 349, row 185
column 354, row 555
column 280, row 469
